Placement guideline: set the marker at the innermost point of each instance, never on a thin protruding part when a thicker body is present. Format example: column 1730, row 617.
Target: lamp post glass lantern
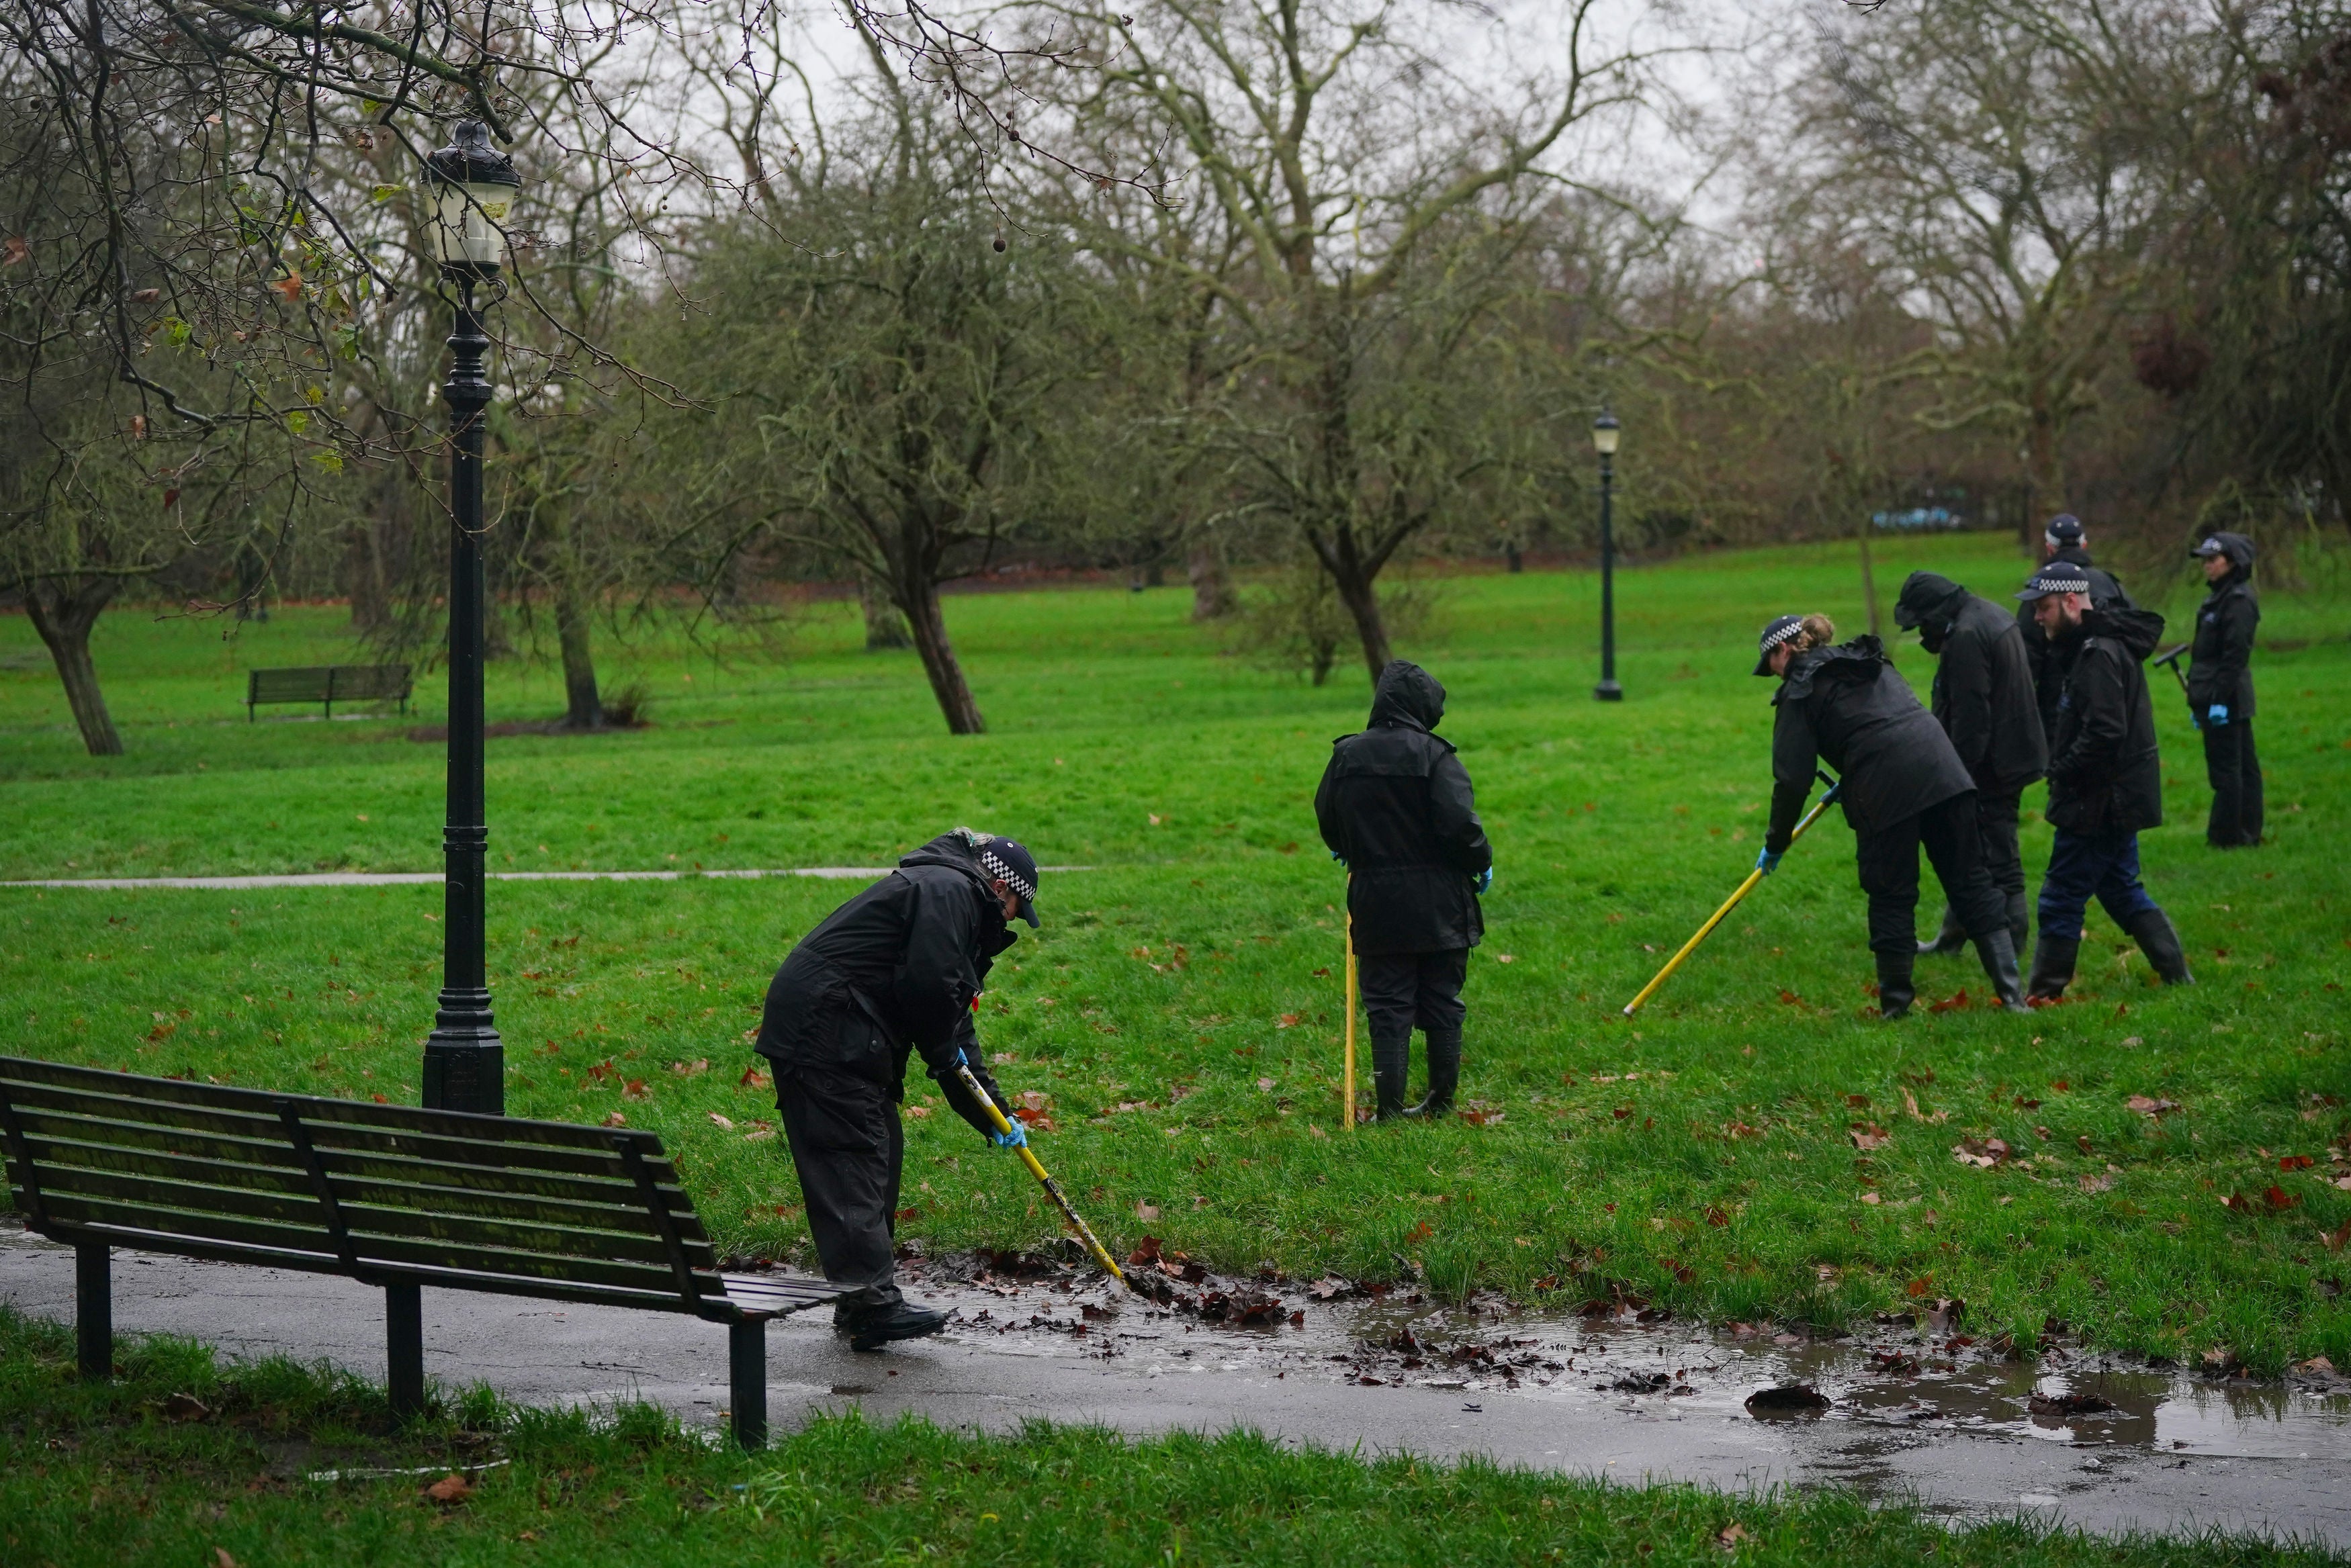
column 473, row 186
column 1604, row 441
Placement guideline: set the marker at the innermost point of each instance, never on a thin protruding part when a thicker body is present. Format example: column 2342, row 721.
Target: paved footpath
column 405, row 879
column 1166, row 1376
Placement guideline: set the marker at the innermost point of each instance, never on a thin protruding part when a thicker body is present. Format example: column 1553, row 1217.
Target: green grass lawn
column 177, row 1462
column 1181, row 1007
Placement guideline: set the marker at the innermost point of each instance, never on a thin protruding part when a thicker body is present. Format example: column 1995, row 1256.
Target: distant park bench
column 386, row 1195
column 327, row 683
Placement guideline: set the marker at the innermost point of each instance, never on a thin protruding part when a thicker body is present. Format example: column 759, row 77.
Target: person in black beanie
column 1395, row 806
column 897, row 969
column 2063, row 540
column 1902, row 786
column 1984, row 696
column 2105, row 778
column 2220, row 690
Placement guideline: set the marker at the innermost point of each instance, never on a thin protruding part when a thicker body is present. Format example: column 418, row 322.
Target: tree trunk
column 1868, row 575
column 929, row 625
column 1359, row 591
column 63, row 615
column 583, row 707
column 885, row 626
column 1212, row 585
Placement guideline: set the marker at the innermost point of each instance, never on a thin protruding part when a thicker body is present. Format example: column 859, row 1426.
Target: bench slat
column 55, row 1151
column 71, row 1208
column 63, row 1181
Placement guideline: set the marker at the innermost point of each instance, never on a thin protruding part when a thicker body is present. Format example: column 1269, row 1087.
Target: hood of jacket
column 1927, row 598
column 2239, row 551
column 2139, row 630
column 1859, row 659
column 956, row 851
column 1406, row 698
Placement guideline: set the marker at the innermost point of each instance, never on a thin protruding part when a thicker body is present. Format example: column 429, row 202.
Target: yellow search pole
column 1347, row 1095
column 1052, row 1187
column 1728, row 904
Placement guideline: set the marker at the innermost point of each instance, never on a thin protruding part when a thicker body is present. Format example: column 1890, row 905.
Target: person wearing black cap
column 1983, row 697
column 1902, row 786
column 897, row 969
column 2105, row 778
column 2063, row 540
column 2220, row 690
column 1395, row 806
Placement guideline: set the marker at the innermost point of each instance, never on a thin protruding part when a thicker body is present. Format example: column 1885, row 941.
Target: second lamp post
column 1604, row 441
column 473, row 188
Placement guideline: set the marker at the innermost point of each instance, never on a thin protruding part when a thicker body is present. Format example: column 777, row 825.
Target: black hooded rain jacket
column 895, row 971
column 1849, row 707
column 1395, row 805
column 2223, row 654
column 2104, row 773
column 1983, row 694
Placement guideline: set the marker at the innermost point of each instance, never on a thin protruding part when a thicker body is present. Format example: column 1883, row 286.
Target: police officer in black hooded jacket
column 1396, row 805
column 2105, row 778
column 2063, row 540
column 1902, row 786
column 2220, row 690
column 893, row 972
column 1983, row 697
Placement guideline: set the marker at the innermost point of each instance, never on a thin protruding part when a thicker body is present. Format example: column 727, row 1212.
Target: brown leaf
column 616, row 1121
column 12, row 251
column 1730, row 1535
column 2278, row 1199
column 1034, row 1099
column 718, row 1121
column 2148, row 1108
column 1868, row 1136
column 1858, row 1102
column 221, row 1559
column 2296, row 1162
column 753, row 1078
column 2089, row 1183
column 1147, row 1212
column 1950, row 1004
column 2336, row 1240
column 603, row 1072
column 1286, row 1021
column 451, row 1487
column 1420, row 1233
column 186, row 1408
column 289, row 287
column 634, row 1089
column 920, row 1113
column 145, row 295
column 2236, row 1202
column 1984, row 1154
column 1265, row 1086
column 1146, row 1253
column 1715, row 1216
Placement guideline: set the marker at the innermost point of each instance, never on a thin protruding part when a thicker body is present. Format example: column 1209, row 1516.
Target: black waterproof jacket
column 895, row 970
column 2104, row 773
column 2223, row 654
column 2049, row 664
column 1848, row 707
column 1396, row 806
column 1983, row 694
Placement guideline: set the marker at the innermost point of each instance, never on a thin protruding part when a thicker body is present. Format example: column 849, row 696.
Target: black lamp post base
column 465, row 1063
column 1608, row 692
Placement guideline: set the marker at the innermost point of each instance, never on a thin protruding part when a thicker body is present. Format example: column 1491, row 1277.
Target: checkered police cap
column 2057, row 577
column 1009, row 859
column 1780, row 630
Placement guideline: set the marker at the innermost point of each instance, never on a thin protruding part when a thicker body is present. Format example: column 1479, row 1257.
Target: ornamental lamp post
column 473, row 187
column 1604, row 441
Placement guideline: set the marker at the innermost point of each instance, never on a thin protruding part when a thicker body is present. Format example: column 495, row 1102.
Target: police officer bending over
column 2105, row 778
column 1396, row 805
column 1983, row 697
column 894, row 970
column 2220, row 690
column 1902, row 786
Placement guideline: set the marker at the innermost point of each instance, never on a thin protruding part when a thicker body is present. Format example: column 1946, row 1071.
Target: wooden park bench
column 391, row 1196
column 327, row 683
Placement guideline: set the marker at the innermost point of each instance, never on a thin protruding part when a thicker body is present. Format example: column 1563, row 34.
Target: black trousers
column 2235, row 776
column 1889, row 874
column 2004, row 857
column 1404, row 991
column 847, row 1146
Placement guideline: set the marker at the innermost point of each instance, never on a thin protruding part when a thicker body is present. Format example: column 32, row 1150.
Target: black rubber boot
column 1895, row 991
column 2156, row 939
column 1949, row 939
column 2052, row 968
column 1391, row 1060
column 1444, row 1077
column 1998, row 952
column 905, row 1321
column 2020, row 922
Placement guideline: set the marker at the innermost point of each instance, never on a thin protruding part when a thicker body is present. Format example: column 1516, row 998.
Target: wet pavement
column 1904, row 1410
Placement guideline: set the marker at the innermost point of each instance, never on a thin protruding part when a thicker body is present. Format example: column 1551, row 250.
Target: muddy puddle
column 1911, row 1378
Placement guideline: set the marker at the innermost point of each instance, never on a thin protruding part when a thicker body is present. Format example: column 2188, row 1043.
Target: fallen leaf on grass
column 616, row 1121
column 1506, row 958
column 2148, row 1108
column 1730, row 1535
column 920, row 1113
column 2095, row 1183
column 2296, row 1162
column 1872, row 1198
column 1945, row 1314
column 753, row 1078
column 1950, row 1004
column 1420, row 1233
column 1868, row 1136
column 634, row 1089
column 1147, row 1212
column 1265, row 1085
column 1286, row 1021
column 1478, row 1117
column 718, row 1121
column 1716, row 1217
column 2279, row 1199
column 1984, row 1154
column 2236, row 1203
column 451, row 1487
column 221, row 1559
column 1146, row 1253
column 1033, row 1099
column 186, row 1408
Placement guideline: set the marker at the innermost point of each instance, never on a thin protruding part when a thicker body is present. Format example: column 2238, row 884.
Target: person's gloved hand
column 1486, row 880
column 1339, row 857
column 1769, row 861
column 1835, row 790
column 2217, row 715
column 1016, row 1138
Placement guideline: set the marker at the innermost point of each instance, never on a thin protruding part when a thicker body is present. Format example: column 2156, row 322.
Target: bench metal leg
column 93, row 1311
column 404, row 1330
column 746, row 1375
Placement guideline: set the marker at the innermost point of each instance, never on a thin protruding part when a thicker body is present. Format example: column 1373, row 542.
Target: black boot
column 1998, row 952
column 2020, row 922
column 2153, row 933
column 905, row 1321
column 1949, row 939
column 2052, row 968
column 1390, row 1061
column 1444, row 1075
column 1895, row 991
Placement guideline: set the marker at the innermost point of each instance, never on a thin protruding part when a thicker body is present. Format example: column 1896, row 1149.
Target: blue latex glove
column 1339, row 857
column 1486, row 880
column 1768, row 862
column 2217, row 715
column 1016, row 1138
